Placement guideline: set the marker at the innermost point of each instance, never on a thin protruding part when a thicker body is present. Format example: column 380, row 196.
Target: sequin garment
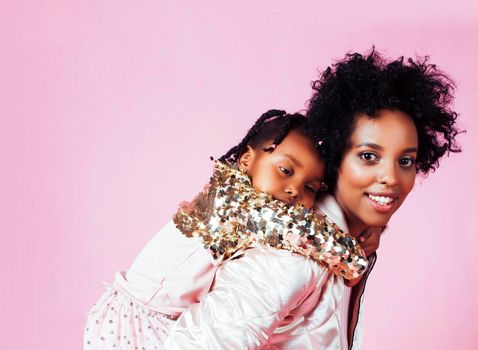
column 230, row 216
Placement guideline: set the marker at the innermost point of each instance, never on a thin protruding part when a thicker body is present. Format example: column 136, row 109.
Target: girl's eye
column 406, row 162
column 286, row 171
column 310, row 189
column 369, row 156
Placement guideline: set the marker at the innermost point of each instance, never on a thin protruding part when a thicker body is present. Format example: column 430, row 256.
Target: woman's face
column 378, row 170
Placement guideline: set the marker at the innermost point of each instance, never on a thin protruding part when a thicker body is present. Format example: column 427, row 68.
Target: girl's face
column 291, row 173
column 378, row 170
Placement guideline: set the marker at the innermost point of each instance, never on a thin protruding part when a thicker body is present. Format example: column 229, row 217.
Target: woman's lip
column 382, row 208
column 382, row 194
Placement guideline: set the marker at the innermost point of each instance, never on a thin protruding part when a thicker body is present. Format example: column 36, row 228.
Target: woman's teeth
column 381, row 199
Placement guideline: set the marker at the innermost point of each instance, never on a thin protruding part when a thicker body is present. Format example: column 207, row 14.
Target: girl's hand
column 370, row 239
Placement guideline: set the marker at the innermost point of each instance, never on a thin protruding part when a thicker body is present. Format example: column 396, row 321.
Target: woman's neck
column 354, row 224
column 355, row 229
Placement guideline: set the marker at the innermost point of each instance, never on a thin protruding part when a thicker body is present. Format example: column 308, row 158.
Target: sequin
column 229, row 215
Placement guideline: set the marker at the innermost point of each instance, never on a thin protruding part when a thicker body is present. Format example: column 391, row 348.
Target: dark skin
column 264, row 168
column 267, row 172
column 376, row 175
column 369, row 240
column 291, row 173
column 378, row 170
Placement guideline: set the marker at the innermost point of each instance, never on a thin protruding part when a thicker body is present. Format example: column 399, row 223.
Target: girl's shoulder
column 277, row 266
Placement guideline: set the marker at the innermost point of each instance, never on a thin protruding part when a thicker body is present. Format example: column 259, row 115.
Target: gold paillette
column 229, row 215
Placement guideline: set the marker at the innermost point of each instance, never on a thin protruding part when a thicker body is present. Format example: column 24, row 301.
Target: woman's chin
column 377, row 221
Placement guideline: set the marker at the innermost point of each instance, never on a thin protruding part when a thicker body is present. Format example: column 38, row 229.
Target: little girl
column 257, row 208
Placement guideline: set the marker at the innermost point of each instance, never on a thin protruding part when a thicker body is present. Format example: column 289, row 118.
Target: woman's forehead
column 388, row 128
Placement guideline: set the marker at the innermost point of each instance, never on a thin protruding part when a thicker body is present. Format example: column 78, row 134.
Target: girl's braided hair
column 272, row 125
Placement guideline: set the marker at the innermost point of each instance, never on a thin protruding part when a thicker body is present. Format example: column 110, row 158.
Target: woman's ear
column 246, row 159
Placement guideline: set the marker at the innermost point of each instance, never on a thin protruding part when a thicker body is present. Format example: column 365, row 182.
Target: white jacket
column 271, row 299
column 266, row 298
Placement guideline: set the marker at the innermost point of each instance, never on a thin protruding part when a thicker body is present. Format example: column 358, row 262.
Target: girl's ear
column 246, row 159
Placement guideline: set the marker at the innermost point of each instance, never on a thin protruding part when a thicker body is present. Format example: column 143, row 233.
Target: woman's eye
column 369, row 156
column 286, row 171
column 406, row 162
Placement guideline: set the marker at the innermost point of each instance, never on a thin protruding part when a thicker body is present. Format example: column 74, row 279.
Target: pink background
column 110, row 110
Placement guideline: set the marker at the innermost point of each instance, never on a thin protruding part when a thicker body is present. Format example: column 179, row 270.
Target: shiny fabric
column 230, row 215
column 260, row 298
column 266, row 299
column 141, row 305
column 117, row 321
column 270, row 299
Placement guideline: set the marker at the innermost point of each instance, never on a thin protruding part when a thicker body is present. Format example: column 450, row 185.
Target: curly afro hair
column 361, row 84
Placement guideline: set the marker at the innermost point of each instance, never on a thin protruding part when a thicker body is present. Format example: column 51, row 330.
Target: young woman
column 378, row 124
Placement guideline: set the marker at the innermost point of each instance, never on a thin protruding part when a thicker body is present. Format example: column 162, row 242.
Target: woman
column 377, row 123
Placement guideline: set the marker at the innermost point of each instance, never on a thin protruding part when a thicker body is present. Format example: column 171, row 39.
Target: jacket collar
column 327, row 204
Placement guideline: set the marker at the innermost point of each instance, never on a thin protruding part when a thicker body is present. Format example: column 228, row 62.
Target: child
column 259, row 199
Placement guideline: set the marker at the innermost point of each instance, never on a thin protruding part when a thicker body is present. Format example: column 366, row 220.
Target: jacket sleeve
column 250, row 297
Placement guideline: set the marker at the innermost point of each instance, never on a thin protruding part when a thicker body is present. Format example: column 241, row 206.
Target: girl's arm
column 251, row 296
column 369, row 241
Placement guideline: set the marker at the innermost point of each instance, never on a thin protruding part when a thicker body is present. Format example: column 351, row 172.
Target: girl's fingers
column 367, row 233
column 369, row 239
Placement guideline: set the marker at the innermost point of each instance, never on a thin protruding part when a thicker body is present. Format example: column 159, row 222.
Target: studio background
column 109, row 113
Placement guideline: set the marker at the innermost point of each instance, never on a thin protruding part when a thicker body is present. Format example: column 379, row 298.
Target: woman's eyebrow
column 380, row 148
column 370, row 144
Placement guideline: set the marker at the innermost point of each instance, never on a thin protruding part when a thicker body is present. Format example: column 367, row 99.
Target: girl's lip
column 382, row 208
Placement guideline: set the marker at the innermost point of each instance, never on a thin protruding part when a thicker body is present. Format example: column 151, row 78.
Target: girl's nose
column 292, row 192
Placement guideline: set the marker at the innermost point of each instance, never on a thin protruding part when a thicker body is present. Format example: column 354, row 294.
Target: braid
column 233, row 154
column 290, row 122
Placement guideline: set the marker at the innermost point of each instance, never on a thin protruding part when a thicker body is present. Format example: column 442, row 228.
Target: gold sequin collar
column 229, row 215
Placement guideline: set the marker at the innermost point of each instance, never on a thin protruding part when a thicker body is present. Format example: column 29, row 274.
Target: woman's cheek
column 358, row 174
column 408, row 183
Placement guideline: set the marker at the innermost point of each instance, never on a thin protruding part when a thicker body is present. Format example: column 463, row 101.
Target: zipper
column 372, row 260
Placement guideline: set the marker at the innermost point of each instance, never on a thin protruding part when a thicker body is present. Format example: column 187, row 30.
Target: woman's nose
column 387, row 175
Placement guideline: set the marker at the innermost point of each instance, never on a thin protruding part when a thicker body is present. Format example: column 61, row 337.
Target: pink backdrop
column 111, row 109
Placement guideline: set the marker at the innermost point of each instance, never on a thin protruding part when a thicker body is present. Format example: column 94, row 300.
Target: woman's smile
column 382, row 202
column 378, row 169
